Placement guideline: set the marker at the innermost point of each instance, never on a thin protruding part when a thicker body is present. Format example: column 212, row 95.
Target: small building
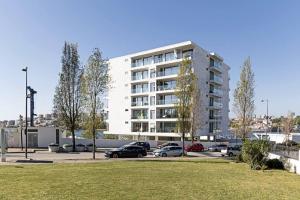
column 38, row 137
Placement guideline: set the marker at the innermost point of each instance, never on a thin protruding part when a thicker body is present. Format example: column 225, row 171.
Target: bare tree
column 68, row 94
column 96, row 82
column 244, row 99
column 288, row 124
column 196, row 107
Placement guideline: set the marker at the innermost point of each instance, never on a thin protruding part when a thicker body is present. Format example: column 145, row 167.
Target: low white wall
column 291, row 164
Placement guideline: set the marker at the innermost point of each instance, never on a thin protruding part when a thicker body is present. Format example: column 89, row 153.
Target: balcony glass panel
column 158, row 58
column 169, row 56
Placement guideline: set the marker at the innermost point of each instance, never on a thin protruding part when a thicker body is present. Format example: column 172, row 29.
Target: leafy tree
column 68, row 94
column 244, row 99
column 96, row 82
column 297, row 121
column 185, row 87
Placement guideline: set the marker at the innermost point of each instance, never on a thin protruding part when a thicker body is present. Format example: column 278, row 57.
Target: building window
column 187, row 54
column 158, row 58
column 148, row 60
column 169, row 56
column 152, row 114
column 152, row 73
column 152, row 87
column 152, row 100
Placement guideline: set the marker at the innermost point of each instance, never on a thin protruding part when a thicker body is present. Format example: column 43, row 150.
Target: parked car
column 168, row 151
column 217, row 147
column 231, row 151
column 194, row 147
column 167, row 144
column 128, row 151
column 146, row 145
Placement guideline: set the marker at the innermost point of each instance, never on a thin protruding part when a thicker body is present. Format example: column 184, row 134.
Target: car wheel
column 115, row 155
column 230, row 154
column 164, row 155
column 139, row 155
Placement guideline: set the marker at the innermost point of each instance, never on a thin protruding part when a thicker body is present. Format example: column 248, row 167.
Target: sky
column 32, row 34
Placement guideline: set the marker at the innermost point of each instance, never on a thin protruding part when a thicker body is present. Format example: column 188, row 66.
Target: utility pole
column 26, row 123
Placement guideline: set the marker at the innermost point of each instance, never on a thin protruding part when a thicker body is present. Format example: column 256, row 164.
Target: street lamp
column 26, row 123
column 267, row 101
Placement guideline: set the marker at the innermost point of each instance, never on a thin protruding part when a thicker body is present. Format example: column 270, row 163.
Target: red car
column 195, row 147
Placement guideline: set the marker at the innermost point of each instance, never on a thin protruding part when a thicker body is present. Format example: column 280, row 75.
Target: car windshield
column 132, row 143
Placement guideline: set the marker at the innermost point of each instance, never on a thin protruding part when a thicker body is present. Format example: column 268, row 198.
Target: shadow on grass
column 34, row 161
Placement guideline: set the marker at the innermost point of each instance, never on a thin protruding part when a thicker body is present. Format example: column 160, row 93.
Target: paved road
column 45, row 156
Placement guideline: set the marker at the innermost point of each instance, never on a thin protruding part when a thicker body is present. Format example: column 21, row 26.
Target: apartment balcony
column 166, row 87
column 166, row 102
column 161, row 75
column 217, row 80
column 139, row 79
column 166, row 130
column 139, row 117
column 216, row 92
column 215, row 118
column 139, row 91
column 216, row 105
column 166, row 116
column 216, row 67
column 136, row 104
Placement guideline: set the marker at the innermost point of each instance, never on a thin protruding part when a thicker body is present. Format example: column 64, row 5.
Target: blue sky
column 32, row 34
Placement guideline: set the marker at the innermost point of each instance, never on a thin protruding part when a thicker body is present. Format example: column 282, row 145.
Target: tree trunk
column 94, row 144
column 183, row 138
column 73, row 139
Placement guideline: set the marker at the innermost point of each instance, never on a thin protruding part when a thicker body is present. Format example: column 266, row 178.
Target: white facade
column 141, row 99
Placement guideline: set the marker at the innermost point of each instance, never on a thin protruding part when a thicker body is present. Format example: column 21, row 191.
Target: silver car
column 168, row 151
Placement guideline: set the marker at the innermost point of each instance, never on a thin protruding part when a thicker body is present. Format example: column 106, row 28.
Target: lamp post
column 267, row 101
column 26, row 123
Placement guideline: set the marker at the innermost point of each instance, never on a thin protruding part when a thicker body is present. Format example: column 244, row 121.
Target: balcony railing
column 166, row 116
column 136, row 91
column 217, row 79
column 167, row 130
column 139, row 103
column 216, row 92
column 139, row 130
column 139, row 117
column 136, row 78
column 161, row 74
column 166, row 87
column 216, row 104
column 163, row 102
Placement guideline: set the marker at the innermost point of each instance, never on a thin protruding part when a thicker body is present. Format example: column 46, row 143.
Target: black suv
column 126, row 152
column 145, row 145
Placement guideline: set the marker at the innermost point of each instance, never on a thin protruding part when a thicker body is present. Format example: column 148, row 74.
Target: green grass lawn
column 197, row 179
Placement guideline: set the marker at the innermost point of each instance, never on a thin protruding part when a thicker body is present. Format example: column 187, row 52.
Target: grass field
column 197, row 179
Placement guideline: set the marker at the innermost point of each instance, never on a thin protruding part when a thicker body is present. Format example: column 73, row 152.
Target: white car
column 168, row 151
column 231, row 151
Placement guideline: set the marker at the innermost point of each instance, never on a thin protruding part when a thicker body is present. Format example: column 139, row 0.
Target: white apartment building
column 141, row 100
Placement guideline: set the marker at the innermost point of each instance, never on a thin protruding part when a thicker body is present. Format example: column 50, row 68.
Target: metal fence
column 286, row 151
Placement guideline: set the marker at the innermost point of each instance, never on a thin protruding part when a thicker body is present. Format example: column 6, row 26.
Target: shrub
column 255, row 152
column 90, row 145
column 239, row 158
column 274, row 164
